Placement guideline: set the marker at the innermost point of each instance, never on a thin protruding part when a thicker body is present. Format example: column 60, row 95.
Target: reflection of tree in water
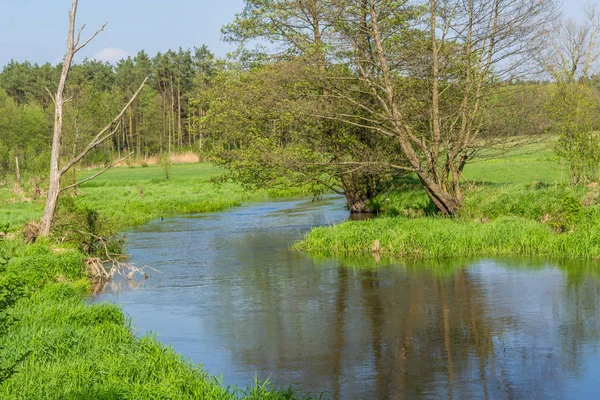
column 117, row 285
column 423, row 330
column 416, row 331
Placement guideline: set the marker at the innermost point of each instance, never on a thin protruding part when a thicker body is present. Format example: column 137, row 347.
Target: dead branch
column 99, row 138
column 51, row 95
column 98, row 174
column 77, row 48
column 96, row 266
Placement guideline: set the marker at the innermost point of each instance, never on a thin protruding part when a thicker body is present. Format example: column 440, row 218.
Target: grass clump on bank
column 53, row 346
column 436, row 237
column 520, row 205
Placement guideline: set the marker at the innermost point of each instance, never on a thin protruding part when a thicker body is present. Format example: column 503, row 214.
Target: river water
column 234, row 298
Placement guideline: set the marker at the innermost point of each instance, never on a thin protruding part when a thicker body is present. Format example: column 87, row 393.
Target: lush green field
column 132, row 196
column 517, row 205
column 52, row 345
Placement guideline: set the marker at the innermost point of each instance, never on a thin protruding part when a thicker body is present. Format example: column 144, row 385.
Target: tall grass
column 519, row 205
column 432, row 237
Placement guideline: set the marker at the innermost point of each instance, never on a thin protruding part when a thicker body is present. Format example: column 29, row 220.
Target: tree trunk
column 130, row 129
column 172, row 116
column 55, row 175
column 357, row 204
column 189, row 119
column 179, row 127
column 18, row 172
column 138, row 139
column 446, row 203
column 359, row 188
column 124, row 133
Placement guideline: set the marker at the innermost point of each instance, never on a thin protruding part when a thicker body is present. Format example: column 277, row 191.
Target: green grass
column 433, row 237
column 116, row 195
column 189, row 189
column 17, row 209
column 517, row 205
column 53, row 346
column 533, row 163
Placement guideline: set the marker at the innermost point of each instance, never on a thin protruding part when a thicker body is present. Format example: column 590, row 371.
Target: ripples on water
column 233, row 297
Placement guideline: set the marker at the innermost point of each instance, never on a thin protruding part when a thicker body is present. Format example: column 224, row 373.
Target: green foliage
column 518, row 110
column 573, row 109
column 24, row 134
column 264, row 130
column 96, row 91
column 86, row 228
column 165, row 163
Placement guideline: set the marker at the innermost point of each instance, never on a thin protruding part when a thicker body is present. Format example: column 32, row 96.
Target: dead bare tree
column 74, row 45
column 572, row 49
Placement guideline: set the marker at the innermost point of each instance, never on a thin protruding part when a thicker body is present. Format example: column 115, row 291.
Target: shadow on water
column 235, row 298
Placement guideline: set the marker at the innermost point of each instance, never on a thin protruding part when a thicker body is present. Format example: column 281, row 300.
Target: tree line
column 164, row 118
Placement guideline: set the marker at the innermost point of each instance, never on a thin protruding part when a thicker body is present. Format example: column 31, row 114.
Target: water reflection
column 235, row 298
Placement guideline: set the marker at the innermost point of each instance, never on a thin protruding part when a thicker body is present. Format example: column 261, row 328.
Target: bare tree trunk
column 171, row 117
column 123, row 132
column 119, row 145
column 130, row 130
column 56, row 172
column 54, row 181
column 162, row 133
column 179, row 127
column 138, row 138
column 200, row 136
column 189, row 125
column 18, row 172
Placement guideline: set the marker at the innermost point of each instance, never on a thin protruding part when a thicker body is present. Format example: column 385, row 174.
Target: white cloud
column 112, row 54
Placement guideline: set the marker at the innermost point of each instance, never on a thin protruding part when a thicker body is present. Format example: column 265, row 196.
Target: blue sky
column 35, row 30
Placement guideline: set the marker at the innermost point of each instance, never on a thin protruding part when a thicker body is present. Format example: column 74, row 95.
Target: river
column 234, row 297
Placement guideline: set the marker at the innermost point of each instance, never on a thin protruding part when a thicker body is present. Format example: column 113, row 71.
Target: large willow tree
column 426, row 71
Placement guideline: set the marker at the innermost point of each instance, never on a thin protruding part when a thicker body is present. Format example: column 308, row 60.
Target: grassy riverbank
column 53, row 345
column 132, row 196
column 518, row 205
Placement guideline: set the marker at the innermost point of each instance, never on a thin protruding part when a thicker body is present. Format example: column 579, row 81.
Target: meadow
column 131, row 196
column 518, row 205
